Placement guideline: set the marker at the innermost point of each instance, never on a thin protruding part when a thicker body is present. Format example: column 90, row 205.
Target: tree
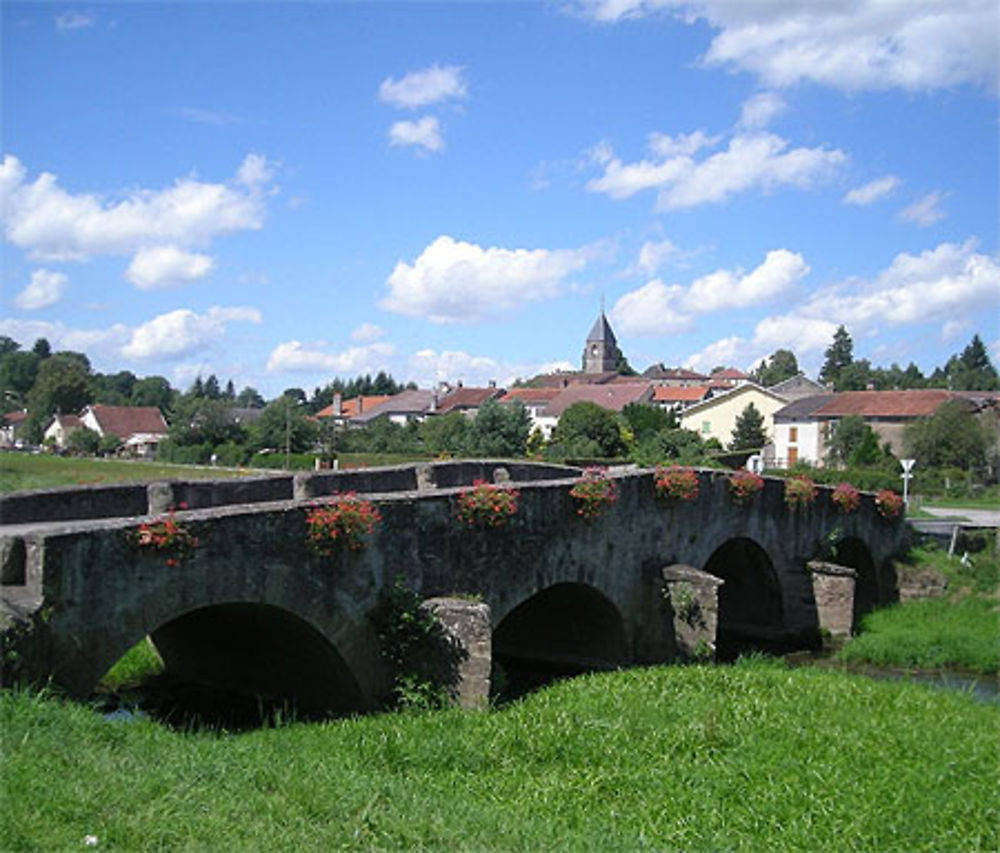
column 853, row 443
column 83, row 442
column 972, row 370
column 62, row 385
column 153, row 391
column 780, row 366
column 446, row 433
column 42, row 348
column 952, row 437
column 645, row 420
column 211, row 388
column 199, row 420
column 249, row 398
column 854, row 376
column 500, row 430
column 586, row 429
column 749, row 432
column 839, row 355
column 670, row 445
column 283, row 426
column 230, row 392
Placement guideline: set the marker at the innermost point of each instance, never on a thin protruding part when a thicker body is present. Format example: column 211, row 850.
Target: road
column 978, row 517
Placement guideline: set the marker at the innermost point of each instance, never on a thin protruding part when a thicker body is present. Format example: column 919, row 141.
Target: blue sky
column 282, row 193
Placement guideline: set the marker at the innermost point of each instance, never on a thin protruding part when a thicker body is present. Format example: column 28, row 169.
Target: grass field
column 748, row 757
column 20, row 471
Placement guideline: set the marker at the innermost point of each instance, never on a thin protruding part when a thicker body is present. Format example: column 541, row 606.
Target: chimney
column 493, row 383
column 338, row 405
column 361, row 403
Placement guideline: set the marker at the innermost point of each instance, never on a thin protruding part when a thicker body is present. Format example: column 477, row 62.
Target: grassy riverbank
column 749, row 757
column 960, row 630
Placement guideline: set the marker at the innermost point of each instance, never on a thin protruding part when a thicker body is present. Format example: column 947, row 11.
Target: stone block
column 694, row 600
column 467, row 623
column 833, row 591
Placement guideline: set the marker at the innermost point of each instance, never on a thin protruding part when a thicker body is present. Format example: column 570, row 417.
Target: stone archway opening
column 873, row 587
column 564, row 630
column 750, row 607
column 241, row 665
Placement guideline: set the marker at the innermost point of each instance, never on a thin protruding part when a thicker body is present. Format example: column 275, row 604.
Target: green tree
column 446, row 433
column 952, row 437
column 972, row 370
column 749, row 432
column 42, row 348
column 585, row 429
column 839, row 355
column 500, row 430
column 283, row 426
column 18, row 371
column 250, row 398
column 83, row 442
column 645, row 420
column 683, row 446
column 153, row 391
column 199, row 420
column 781, row 365
column 854, row 377
column 61, row 385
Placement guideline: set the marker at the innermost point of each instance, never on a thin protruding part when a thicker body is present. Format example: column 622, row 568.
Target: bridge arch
column 750, row 600
column 565, row 629
column 874, row 585
column 259, row 650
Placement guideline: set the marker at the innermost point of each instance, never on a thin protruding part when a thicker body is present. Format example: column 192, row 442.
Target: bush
column 800, row 492
column 593, row 492
column 486, row 505
column 743, row 485
column 676, row 483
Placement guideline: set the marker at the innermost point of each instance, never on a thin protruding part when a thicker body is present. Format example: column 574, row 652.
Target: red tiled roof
column 123, row 421
column 729, row 373
column 886, row 404
column 680, row 394
column 531, row 395
column 13, row 417
column 349, row 408
column 466, row 398
column 614, row 397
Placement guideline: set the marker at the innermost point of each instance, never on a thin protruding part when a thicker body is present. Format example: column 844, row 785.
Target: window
column 706, row 427
column 793, row 434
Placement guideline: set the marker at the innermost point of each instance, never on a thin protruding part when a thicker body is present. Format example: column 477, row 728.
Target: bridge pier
column 694, row 601
column 467, row 625
column 833, row 589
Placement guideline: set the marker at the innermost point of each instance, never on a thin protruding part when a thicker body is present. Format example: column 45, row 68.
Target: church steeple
column 600, row 352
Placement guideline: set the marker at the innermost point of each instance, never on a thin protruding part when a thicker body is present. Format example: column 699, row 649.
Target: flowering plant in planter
column 486, row 505
column 347, row 518
column 676, row 483
column 167, row 536
column 888, row 503
column 799, row 492
column 593, row 491
column 846, row 498
column 743, row 485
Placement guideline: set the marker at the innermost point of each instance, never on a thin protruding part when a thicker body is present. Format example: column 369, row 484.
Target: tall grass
column 750, row 757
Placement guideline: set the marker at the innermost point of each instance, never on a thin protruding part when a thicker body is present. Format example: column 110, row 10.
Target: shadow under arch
column 750, row 606
column 873, row 587
column 261, row 652
column 564, row 630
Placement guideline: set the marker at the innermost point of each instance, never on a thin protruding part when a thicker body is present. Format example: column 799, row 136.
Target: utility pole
column 907, row 465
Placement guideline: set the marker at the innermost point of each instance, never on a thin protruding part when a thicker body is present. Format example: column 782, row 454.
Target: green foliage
column 282, row 426
column 838, row 355
column 585, row 429
column 153, row 391
column 422, row 659
column 853, row 443
column 200, row 421
column 781, row 365
column 500, row 430
column 448, row 434
column 62, row 385
column 645, row 420
column 138, row 663
column 84, row 442
column 749, row 432
column 951, row 437
column 972, row 370
column 683, row 446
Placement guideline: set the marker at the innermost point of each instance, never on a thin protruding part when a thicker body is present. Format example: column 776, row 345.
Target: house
column 676, row 376
column 613, row 397
column 716, row 417
column 886, row 412
column 59, row 429
column 534, row 401
column 466, row 400
column 139, row 428
column 10, row 426
column 798, row 387
column 341, row 410
column 730, row 377
column 677, row 398
column 400, row 408
column 798, row 435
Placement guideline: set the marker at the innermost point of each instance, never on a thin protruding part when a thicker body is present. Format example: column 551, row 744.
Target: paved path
column 978, row 517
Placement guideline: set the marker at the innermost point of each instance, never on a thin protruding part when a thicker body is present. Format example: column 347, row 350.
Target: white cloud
column 760, row 109
column 852, row 45
column 367, row 332
column 751, row 161
column 924, row 211
column 728, row 351
column 72, row 20
column 163, row 266
column 45, row 288
column 653, row 309
column 872, row 191
column 949, row 287
column 53, row 224
column 659, row 309
column 424, row 133
column 295, row 357
column 183, row 331
column 682, row 145
column 419, row 88
column 428, row 367
column 452, row 281
column 653, row 256
column 106, row 341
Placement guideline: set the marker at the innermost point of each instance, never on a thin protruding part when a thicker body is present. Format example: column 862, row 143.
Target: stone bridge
column 255, row 608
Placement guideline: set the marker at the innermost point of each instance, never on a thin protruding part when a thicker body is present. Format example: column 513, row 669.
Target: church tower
column 600, row 352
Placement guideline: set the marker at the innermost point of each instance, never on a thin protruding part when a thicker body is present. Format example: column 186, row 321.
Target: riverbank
column 748, row 757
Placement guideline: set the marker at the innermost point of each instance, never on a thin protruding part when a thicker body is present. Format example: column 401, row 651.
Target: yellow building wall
column 720, row 413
